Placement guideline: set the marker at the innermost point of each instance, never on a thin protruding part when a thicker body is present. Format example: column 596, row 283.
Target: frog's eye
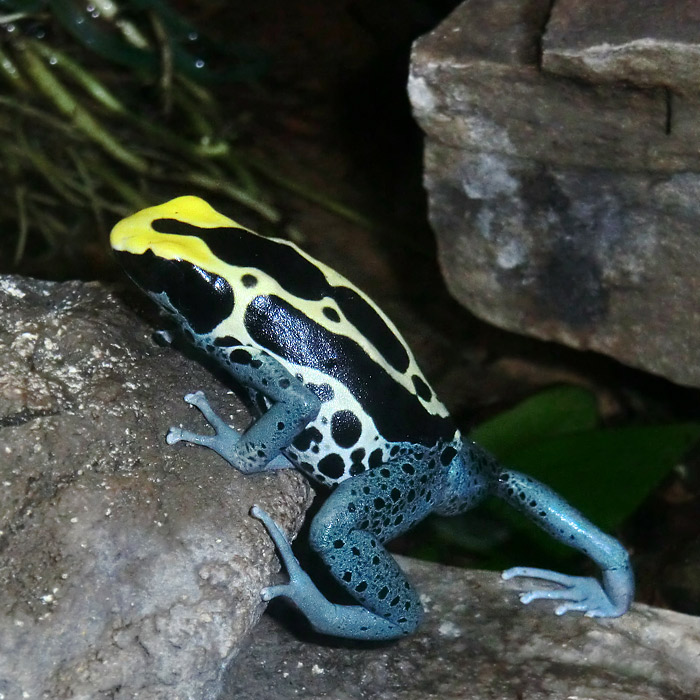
column 202, row 298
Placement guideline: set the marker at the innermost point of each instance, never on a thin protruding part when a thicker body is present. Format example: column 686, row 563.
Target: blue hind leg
column 348, row 533
column 563, row 522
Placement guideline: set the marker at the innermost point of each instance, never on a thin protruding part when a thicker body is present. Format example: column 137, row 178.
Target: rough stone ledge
column 478, row 642
column 492, row 95
column 651, row 44
column 563, row 209
column 584, row 256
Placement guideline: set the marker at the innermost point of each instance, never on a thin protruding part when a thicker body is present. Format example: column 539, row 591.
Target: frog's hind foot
column 350, row 621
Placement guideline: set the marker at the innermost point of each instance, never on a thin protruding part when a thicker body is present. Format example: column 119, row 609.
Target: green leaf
column 607, row 473
column 557, row 411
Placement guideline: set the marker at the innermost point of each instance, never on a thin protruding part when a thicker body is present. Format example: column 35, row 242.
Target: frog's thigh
column 348, row 533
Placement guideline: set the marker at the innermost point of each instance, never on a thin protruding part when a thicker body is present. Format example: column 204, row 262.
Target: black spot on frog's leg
column 332, row 466
column 376, row 458
column 345, row 428
column 422, row 389
column 366, row 319
column 447, row 455
column 202, row 298
column 240, row 356
column 357, row 455
column 249, row 281
column 225, row 341
column 357, row 466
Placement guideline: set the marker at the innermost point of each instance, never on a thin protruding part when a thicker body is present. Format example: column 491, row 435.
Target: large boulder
column 566, row 200
column 128, row 568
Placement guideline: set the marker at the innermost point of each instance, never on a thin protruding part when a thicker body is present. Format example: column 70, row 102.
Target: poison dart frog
column 338, row 394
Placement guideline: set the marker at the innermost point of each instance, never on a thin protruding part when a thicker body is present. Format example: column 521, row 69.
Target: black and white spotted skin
column 339, row 395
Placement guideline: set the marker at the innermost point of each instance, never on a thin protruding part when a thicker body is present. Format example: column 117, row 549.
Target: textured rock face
column 564, row 208
column 127, row 568
column 478, row 642
column 648, row 44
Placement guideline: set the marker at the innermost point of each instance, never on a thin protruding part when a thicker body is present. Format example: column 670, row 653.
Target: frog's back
column 266, row 293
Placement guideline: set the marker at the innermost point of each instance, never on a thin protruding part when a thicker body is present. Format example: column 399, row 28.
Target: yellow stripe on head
column 135, row 234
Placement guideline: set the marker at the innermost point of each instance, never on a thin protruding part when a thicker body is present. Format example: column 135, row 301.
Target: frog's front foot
column 578, row 593
column 223, row 441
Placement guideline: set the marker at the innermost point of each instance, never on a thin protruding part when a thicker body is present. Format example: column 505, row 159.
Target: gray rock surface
column 563, row 209
column 127, row 568
column 478, row 642
column 583, row 258
column 654, row 43
column 476, row 84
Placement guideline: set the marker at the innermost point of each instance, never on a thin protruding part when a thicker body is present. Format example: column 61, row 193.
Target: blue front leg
column 292, row 407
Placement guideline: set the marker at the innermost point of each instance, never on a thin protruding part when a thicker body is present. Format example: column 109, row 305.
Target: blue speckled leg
column 566, row 524
column 348, row 533
column 292, row 406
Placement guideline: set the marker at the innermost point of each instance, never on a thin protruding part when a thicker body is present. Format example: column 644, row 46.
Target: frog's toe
column 572, row 606
column 270, row 592
column 196, row 398
column 174, row 435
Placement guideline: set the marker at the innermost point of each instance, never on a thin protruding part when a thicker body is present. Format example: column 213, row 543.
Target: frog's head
column 160, row 249
column 171, row 231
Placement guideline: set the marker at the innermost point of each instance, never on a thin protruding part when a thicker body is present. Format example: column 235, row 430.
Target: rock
column 563, row 209
column 583, row 258
column 656, row 44
column 479, row 642
column 491, row 96
column 128, row 568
